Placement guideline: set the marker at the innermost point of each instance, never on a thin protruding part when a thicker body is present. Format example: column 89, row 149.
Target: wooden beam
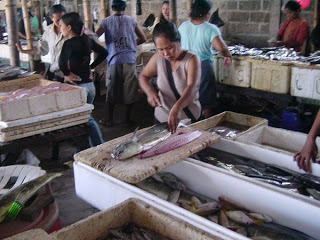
column 87, row 14
column 173, row 11
column 316, row 13
column 27, row 27
column 103, row 11
column 12, row 28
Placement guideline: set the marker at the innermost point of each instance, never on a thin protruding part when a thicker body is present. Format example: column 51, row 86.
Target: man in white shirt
column 51, row 42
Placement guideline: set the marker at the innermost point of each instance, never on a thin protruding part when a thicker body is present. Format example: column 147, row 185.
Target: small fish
column 196, row 201
column 247, row 169
column 223, row 219
column 141, row 142
column 119, row 233
column 213, row 218
column 174, row 197
column 172, row 143
column 172, row 181
column 207, row 209
column 314, row 193
column 260, row 216
column 157, row 188
column 239, row 217
column 24, row 192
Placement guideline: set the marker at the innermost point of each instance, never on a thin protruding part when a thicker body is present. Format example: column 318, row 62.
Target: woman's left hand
column 174, row 118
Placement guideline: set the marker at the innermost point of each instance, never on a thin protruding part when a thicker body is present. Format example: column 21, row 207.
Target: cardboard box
column 133, row 211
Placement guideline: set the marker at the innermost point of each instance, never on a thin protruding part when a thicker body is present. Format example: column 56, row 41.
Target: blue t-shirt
column 120, row 37
column 198, row 38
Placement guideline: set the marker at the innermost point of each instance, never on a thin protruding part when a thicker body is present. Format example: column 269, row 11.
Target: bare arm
column 310, row 150
column 141, row 36
column 32, row 51
column 222, row 48
column 144, row 80
column 188, row 94
column 99, row 31
column 22, row 35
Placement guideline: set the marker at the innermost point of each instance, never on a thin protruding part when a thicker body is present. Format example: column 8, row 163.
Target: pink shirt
column 167, row 96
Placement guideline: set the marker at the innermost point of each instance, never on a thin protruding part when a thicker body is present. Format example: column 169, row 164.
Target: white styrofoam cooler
column 278, row 158
column 276, row 139
column 305, row 82
column 288, row 209
column 238, row 74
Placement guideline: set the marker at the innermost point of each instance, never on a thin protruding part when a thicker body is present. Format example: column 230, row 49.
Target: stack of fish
column 314, row 58
column 273, row 53
column 133, row 232
column 243, row 221
column 9, row 72
column 305, row 184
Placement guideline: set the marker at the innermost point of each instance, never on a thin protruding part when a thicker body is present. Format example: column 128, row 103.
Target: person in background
column 51, row 42
column 198, row 36
column 309, row 151
column 74, row 62
column 120, row 38
column 163, row 16
column 95, row 15
column 178, row 78
column 293, row 33
column 21, row 29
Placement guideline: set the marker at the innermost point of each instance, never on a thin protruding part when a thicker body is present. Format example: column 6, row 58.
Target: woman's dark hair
column 200, row 8
column 74, row 20
column 168, row 30
column 293, row 6
column 57, row 8
column 161, row 16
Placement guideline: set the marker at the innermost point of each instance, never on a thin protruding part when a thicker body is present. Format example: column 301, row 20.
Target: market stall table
column 79, row 134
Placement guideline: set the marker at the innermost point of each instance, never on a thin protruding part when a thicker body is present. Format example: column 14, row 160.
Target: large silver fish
column 141, row 142
column 24, row 192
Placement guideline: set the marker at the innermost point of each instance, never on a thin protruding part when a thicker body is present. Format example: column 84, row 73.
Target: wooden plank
column 5, row 138
column 134, row 169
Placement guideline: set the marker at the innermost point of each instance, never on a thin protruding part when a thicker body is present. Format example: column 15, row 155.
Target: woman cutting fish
column 178, row 78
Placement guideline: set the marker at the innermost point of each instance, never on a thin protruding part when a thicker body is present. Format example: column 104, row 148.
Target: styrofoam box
column 276, row 139
column 37, row 105
column 270, row 76
column 133, row 211
column 251, row 121
column 305, row 82
column 286, row 208
column 238, row 74
column 267, row 155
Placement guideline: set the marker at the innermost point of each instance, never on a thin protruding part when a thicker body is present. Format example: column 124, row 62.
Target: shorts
column 207, row 91
column 122, row 84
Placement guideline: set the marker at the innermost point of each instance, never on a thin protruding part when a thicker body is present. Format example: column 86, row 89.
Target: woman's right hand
column 72, row 79
column 308, row 153
column 153, row 99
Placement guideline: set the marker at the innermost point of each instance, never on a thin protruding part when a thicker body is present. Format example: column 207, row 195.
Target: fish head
column 126, row 150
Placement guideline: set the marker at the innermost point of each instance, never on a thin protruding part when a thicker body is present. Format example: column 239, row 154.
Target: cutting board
column 134, row 169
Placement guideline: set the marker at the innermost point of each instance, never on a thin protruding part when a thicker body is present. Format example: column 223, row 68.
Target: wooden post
column 27, row 27
column 173, row 11
column 87, row 14
column 12, row 28
column 316, row 13
column 189, row 3
column 103, row 12
column 75, row 5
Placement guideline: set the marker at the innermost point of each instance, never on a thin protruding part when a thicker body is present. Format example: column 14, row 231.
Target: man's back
column 120, row 39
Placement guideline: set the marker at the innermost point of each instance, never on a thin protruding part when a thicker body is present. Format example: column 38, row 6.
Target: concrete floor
column 72, row 208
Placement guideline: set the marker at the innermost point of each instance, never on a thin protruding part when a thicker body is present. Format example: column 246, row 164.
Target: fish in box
column 142, row 215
